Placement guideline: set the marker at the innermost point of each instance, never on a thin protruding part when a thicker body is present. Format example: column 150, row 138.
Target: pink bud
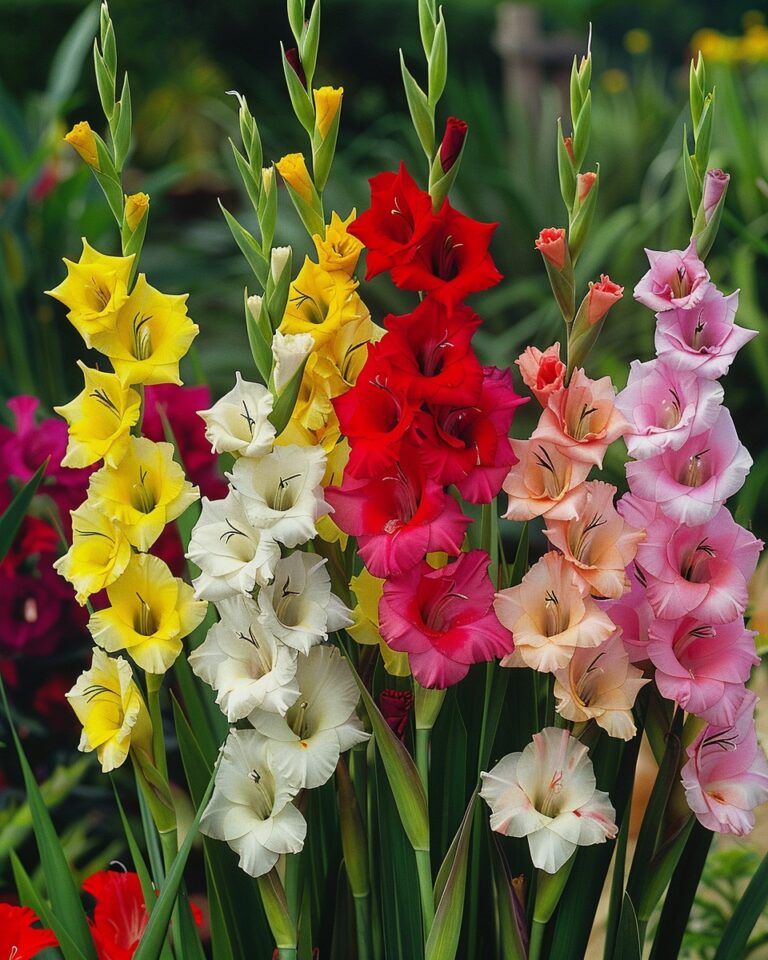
column 584, row 183
column 568, row 144
column 601, row 298
column 551, row 244
column 715, row 185
column 453, row 140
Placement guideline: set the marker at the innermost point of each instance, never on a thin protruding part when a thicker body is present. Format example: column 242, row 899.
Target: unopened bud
column 551, row 244
column 715, row 185
column 277, row 261
column 327, row 105
column 601, row 297
column 584, row 183
column 453, row 140
column 254, row 306
column 84, row 142
column 293, row 169
column 293, row 58
column 136, row 207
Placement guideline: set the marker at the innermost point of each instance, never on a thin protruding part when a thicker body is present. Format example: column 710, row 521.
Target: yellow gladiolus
column 95, row 289
column 151, row 333
column 100, row 419
column 293, row 169
column 150, row 612
column 136, row 207
column 365, row 629
column 320, row 303
column 99, row 554
column 144, row 492
column 82, row 139
column 327, row 106
column 339, row 250
column 112, row 711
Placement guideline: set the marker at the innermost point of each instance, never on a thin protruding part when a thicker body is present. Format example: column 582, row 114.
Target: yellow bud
column 327, row 105
column 136, row 207
column 82, row 139
column 293, row 169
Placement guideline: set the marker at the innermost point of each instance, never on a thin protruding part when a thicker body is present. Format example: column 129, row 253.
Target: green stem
column 422, row 756
column 287, row 953
column 154, row 685
column 293, row 885
column 537, row 940
column 424, row 870
column 363, row 927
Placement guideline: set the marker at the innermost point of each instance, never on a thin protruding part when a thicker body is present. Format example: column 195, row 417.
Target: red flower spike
column 19, row 940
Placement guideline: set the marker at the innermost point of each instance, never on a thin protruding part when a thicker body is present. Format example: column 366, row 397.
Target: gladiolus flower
column 293, row 169
column 601, row 297
column 150, row 612
column 539, row 483
column 289, row 350
column 568, row 144
column 339, row 250
column 550, row 614
column 321, row 303
column 368, row 591
column 136, row 208
column 452, row 142
column 632, row 614
column 443, row 619
column 548, row 794
column 327, row 106
column 112, row 711
column 239, row 422
column 99, row 554
column 19, row 940
column 715, row 184
column 677, row 278
column 82, row 139
column 543, row 373
column 552, row 245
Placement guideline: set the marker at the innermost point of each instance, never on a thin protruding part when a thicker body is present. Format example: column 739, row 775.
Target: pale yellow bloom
column 293, row 169
column 339, row 250
column 365, row 630
column 327, row 106
column 136, row 208
column 99, row 554
column 82, row 139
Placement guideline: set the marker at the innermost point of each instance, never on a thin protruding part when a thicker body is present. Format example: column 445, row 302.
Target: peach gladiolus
column 539, row 483
column 542, row 372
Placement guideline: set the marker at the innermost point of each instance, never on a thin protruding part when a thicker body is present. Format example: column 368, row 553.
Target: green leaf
column 14, row 513
column 510, row 941
column 300, row 99
column 248, row 246
column 296, row 18
column 261, row 351
column 733, row 945
column 285, row 403
column 617, row 883
column 581, row 131
column 252, row 183
column 450, row 885
column 421, row 112
column 565, row 169
column 628, row 935
column 104, row 82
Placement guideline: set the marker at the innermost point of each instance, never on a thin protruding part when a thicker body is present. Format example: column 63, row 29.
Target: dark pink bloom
column 677, row 278
column 632, row 614
column 715, row 184
column 443, row 619
column 36, row 609
column 395, row 706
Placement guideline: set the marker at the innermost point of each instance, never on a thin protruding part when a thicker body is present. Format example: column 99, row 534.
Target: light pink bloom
column 548, row 794
column 726, row 776
column 665, row 406
column 550, row 614
column 701, row 571
column 637, row 512
column 596, row 540
column 702, row 667
column 581, row 419
column 538, row 483
column 542, row 372
column 703, row 339
column 715, row 184
column 691, row 483
column 677, row 278
column 632, row 614
column 443, row 619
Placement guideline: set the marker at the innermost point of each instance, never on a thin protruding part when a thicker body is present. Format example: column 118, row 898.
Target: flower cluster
column 685, row 611
column 423, row 415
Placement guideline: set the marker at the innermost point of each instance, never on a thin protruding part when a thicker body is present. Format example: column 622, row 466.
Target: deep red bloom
column 49, row 701
column 453, row 140
column 452, row 260
column 395, row 707
column 293, row 58
column 397, row 221
column 19, row 940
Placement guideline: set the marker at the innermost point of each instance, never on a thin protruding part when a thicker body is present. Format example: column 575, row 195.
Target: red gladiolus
column 453, row 140
column 396, row 707
column 551, row 244
column 19, row 940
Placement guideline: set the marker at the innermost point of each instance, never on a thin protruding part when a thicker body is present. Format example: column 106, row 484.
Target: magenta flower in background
column 677, row 278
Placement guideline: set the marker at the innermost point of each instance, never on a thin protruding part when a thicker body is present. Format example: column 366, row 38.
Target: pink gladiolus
column 551, row 244
column 677, row 278
column 704, row 339
column 726, row 776
column 539, row 483
column 665, row 406
column 601, row 297
column 443, row 619
column 715, row 184
column 701, row 571
column 690, row 484
column 702, row 667
column 596, row 540
column 542, row 372
column 632, row 614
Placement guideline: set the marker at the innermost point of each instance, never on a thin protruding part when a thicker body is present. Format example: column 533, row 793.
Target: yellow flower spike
column 81, row 138
column 99, row 554
column 293, row 169
column 365, row 629
column 340, row 250
column 151, row 334
column 150, row 612
column 95, row 289
column 320, row 303
column 136, row 207
column 112, row 711
column 327, row 105
column 100, row 418
column 144, row 492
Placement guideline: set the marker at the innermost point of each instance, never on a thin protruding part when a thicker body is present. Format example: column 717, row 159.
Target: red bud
column 292, row 56
column 453, row 140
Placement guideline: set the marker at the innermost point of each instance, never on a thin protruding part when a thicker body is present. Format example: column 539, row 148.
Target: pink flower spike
column 677, row 278
column 702, row 667
column 726, row 776
column 665, row 406
column 542, row 372
column 703, row 339
column 632, row 615
column 443, row 619
column 691, row 483
column 539, row 483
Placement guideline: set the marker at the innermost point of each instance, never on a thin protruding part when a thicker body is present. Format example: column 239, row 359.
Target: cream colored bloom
column 289, row 351
column 239, row 422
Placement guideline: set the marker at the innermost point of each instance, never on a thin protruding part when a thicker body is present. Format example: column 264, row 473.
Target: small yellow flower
column 320, row 303
column 614, row 81
column 151, row 333
column 99, row 554
column 637, row 41
column 293, row 169
column 100, row 419
column 112, row 711
column 144, row 492
column 82, row 139
column 327, row 106
column 95, row 289
column 150, row 612
column 365, row 629
column 340, row 250
column 136, row 208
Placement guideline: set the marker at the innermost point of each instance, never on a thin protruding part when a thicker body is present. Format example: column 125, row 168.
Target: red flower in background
column 19, row 940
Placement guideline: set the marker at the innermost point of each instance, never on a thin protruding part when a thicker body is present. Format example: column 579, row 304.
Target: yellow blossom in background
column 100, row 419
column 144, row 492
column 327, row 106
column 293, row 169
column 99, row 554
column 758, row 600
column 614, row 81
column 637, row 41
column 95, row 289
column 150, row 612
column 82, row 139
column 754, row 44
column 136, row 207
column 365, row 630
column 150, row 335
column 112, row 711
column 339, row 250
column 320, row 303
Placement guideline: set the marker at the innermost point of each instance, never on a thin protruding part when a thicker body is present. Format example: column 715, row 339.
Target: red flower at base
column 19, row 940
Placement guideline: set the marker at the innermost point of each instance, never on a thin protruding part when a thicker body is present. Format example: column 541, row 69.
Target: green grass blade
column 16, row 510
column 733, row 945
column 628, row 933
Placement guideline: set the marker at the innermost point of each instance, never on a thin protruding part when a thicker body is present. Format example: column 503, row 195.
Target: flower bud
column 279, row 257
column 289, row 350
column 327, row 105
column 552, row 246
column 254, row 306
column 715, row 185
column 601, row 297
column 267, row 178
column 452, row 143
column 568, row 144
column 293, row 169
column 82, row 139
column 293, row 58
column 428, row 702
column 584, row 183
column 395, row 706
column 136, row 208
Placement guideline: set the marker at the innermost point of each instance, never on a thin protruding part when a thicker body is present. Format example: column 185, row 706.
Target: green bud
column 703, row 134
column 437, row 62
column 267, row 208
column 276, row 908
column 422, row 114
column 278, row 284
column 427, row 18
column 300, row 100
column 285, row 401
column 252, row 183
column 296, row 18
column 549, row 889
column 121, row 125
column 105, row 82
column 310, row 42
column 581, row 222
column 581, row 131
column 696, row 94
column 353, row 841
column 427, row 704
column 261, row 350
column 565, row 169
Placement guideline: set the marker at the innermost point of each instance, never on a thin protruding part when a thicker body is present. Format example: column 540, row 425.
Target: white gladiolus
column 281, row 492
column 247, row 666
column 233, row 555
column 548, row 794
column 321, row 725
column 289, row 351
column 237, row 423
column 278, row 259
column 251, row 807
column 298, row 606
